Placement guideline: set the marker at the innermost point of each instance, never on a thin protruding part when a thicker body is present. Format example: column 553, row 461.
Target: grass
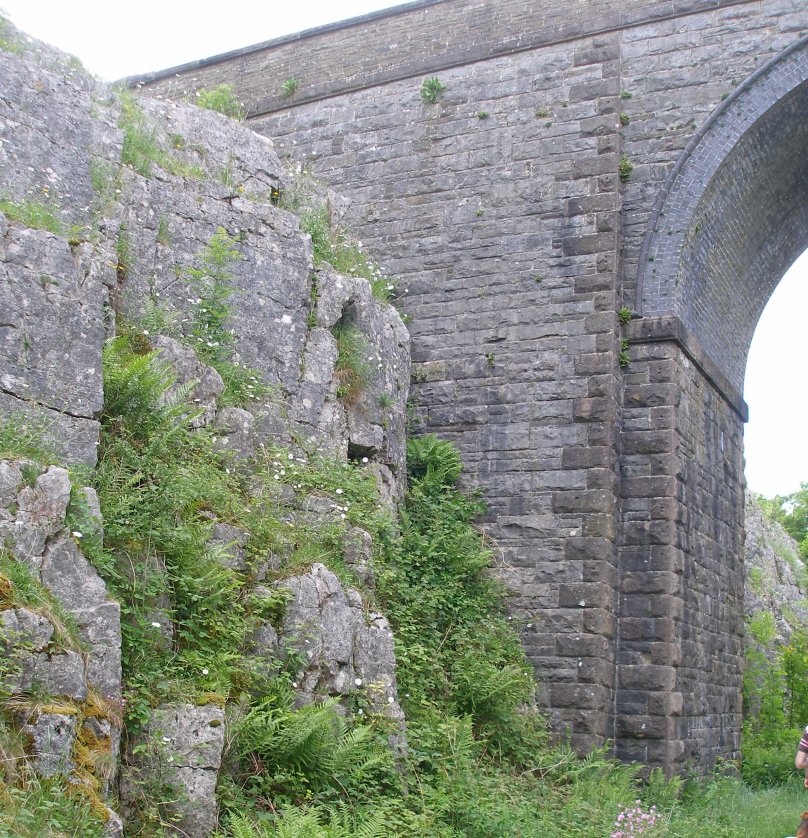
column 728, row 809
column 331, row 244
column 142, row 149
column 47, row 809
column 33, row 214
column 352, row 369
column 20, row 588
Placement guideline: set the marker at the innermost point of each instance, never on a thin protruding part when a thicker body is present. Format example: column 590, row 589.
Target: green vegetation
column 142, row 148
column 211, row 279
column 22, row 437
column 624, row 315
column 353, row 370
column 9, row 41
column 624, row 118
column 39, row 808
column 33, row 214
column 623, row 357
column 331, row 244
column 792, row 512
column 431, row 90
column 289, row 87
column 221, row 99
column 480, row 762
column 20, row 588
column 625, row 168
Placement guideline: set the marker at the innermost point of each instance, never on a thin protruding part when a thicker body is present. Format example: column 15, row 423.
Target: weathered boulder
column 194, row 382
column 229, row 542
column 181, row 747
column 53, row 737
column 344, row 650
column 235, row 432
column 73, row 664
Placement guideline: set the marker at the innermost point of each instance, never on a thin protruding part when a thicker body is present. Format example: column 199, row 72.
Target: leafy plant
column 221, row 99
column 624, row 118
column 623, row 357
column 290, row 87
column 625, row 168
column 624, row 315
column 431, row 90
column 352, row 369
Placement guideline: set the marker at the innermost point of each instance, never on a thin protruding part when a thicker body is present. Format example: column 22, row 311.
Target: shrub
column 221, row 99
column 431, row 90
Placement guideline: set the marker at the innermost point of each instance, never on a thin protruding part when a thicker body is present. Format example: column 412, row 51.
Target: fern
column 433, row 462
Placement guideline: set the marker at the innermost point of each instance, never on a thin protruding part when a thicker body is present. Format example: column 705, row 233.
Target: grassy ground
column 731, row 810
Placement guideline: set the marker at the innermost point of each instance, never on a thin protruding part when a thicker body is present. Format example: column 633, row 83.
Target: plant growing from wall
column 625, row 168
column 221, row 99
column 290, row 87
column 623, row 358
column 431, row 90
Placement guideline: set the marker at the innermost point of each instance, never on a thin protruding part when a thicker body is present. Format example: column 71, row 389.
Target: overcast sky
column 114, row 39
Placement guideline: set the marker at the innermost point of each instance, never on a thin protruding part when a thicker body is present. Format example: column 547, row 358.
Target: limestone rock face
column 180, row 746
column 53, row 294
column 72, row 666
column 343, row 650
column 127, row 245
column 53, row 736
column 774, row 572
column 205, row 383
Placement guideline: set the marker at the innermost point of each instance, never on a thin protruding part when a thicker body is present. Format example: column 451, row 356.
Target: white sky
column 114, row 39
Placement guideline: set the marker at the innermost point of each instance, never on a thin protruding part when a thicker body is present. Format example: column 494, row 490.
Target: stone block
column 648, row 677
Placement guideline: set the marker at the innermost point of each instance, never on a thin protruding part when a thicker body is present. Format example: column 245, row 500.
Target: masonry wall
column 681, row 569
column 502, row 209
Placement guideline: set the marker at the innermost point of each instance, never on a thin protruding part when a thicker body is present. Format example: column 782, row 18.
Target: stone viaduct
column 586, row 157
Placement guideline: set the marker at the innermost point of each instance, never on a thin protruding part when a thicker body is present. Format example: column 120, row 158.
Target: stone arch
column 733, row 215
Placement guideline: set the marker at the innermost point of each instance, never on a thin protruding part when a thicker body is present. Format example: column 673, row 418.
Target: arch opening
column 774, row 438
column 733, row 216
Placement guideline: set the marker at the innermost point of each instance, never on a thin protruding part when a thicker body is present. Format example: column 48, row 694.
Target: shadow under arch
column 729, row 221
